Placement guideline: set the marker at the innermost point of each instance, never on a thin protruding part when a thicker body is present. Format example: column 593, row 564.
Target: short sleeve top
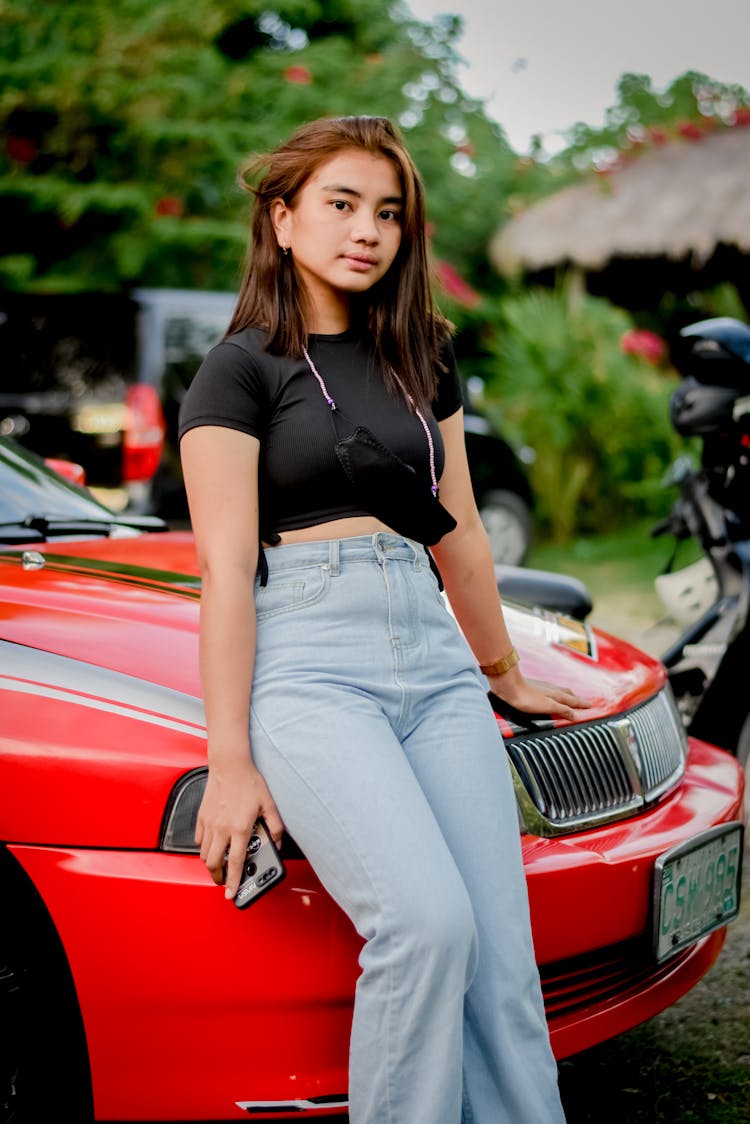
column 301, row 483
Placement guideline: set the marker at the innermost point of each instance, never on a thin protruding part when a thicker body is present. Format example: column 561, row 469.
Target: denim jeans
column 371, row 725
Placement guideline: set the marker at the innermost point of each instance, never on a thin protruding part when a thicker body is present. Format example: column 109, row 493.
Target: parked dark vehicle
column 100, row 379
column 501, row 487
column 70, row 389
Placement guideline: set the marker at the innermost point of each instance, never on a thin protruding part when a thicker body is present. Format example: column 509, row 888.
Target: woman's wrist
column 500, row 666
column 230, row 758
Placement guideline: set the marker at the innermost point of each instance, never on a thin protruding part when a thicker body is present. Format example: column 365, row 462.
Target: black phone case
column 263, row 868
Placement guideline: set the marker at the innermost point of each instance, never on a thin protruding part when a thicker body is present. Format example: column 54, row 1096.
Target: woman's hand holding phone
column 236, row 797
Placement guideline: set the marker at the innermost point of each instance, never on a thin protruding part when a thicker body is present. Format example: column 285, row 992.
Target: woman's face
column 343, row 227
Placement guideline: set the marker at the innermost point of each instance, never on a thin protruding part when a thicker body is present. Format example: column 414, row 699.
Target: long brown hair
column 398, row 312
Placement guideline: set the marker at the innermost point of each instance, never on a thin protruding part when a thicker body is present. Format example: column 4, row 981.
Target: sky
column 542, row 65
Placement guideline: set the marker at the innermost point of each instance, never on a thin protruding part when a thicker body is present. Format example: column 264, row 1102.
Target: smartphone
column 263, row 868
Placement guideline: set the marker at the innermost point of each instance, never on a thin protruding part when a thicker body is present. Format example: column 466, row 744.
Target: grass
column 619, row 570
column 627, row 559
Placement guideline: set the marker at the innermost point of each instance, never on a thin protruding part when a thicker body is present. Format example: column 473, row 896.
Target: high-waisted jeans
column 372, row 728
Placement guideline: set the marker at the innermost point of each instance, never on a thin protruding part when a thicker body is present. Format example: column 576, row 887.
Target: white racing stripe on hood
column 44, row 674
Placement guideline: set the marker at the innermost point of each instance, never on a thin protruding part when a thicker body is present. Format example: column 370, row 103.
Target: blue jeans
column 371, row 726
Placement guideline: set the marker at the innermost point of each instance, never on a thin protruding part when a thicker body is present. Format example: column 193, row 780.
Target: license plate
column 696, row 888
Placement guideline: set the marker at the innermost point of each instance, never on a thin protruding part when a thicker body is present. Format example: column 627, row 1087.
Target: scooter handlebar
column 661, row 528
column 675, row 524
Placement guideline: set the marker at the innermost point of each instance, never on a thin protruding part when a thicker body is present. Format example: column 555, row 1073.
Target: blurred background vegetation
column 596, row 416
column 124, row 126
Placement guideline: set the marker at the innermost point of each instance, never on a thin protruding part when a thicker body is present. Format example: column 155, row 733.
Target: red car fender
column 257, row 1005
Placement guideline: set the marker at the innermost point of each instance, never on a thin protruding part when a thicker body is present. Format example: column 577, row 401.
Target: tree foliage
column 596, row 416
column 124, row 126
column 644, row 116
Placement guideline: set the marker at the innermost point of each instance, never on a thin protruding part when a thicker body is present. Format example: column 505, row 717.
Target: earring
column 285, row 251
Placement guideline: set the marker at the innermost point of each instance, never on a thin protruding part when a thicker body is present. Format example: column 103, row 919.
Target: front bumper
column 192, row 1007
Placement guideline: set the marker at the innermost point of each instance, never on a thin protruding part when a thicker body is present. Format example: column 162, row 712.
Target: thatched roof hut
column 685, row 202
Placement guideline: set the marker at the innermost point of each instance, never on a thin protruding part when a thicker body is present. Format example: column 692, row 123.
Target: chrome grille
column 598, row 772
column 660, row 755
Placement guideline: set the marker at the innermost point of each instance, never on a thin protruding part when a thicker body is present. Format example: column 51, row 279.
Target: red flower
column 454, row 285
column 298, row 74
column 690, row 130
column 658, row 136
column 169, row 205
column 644, row 344
column 741, row 115
column 20, row 149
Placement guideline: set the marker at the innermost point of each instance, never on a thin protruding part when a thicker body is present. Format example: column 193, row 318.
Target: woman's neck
column 328, row 317
column 327, row 325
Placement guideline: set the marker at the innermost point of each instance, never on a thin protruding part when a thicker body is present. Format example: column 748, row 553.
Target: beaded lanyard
column 417, row 411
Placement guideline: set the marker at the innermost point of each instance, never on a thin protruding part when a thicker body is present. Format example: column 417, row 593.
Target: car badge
column 33, row 560
column 630, row 751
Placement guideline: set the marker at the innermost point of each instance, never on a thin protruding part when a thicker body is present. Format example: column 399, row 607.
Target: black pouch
column 388, row 488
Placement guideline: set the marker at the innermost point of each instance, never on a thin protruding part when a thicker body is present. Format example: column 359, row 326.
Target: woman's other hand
column 234, row 799
column 535, row 697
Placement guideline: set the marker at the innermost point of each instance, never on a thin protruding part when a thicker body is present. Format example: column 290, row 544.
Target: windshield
column 28, row 488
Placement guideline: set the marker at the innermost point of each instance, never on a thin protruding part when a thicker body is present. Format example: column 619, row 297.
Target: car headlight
column 178, row 830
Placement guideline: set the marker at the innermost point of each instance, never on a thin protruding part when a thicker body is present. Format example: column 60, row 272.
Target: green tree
column 124, row 126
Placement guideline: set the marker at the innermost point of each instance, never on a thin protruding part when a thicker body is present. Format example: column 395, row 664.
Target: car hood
column 131, row 605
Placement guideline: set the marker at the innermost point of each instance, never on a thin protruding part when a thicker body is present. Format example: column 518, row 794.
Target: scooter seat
column 558, row 592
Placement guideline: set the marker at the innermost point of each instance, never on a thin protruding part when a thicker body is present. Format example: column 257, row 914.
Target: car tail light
column 143, row 439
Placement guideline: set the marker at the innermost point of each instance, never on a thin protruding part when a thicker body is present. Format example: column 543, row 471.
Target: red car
column 130, row 989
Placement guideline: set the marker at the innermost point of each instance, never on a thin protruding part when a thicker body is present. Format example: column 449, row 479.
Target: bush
column 597, row 417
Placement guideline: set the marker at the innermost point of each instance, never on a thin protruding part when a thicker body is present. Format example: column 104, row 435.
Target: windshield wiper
column 37, row 528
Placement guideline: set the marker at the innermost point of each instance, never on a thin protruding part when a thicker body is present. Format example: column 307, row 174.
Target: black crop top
column 278, row 400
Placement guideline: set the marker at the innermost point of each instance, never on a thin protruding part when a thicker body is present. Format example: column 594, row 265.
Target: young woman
column 340, row 695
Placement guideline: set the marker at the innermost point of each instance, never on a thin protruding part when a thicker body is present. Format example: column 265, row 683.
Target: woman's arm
column 465, row 561
column 221, row 477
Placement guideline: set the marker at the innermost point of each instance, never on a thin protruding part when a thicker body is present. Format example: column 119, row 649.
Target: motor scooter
column 709, row 663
